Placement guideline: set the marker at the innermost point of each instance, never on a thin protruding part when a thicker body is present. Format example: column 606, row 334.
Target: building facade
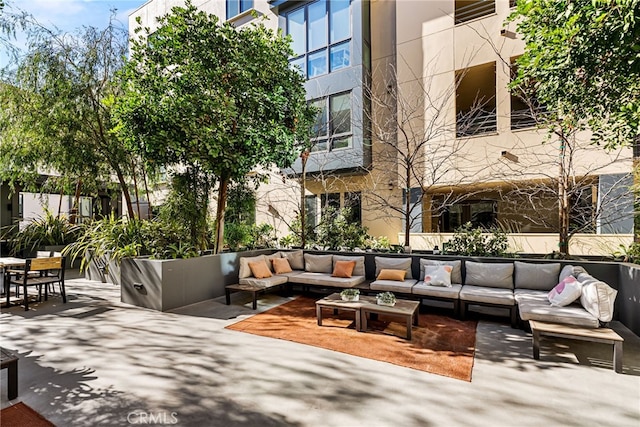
column 416, row 121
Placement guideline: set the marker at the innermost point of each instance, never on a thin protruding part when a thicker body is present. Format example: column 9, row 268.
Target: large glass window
column 353, row 201
column 332, row 128
column 476, row 100
column 321, row 33
column 236, row 7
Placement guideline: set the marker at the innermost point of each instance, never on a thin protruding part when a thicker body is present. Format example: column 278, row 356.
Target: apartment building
column 416, row 116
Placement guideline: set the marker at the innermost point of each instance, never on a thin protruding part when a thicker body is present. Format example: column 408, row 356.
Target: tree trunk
column 146, row 190
column 135, row 187
column 636, row 189
column 125, row 192
column 222, row 202
column 407, row 208
column 303, row 206
column 73, row 216
column 563, row 203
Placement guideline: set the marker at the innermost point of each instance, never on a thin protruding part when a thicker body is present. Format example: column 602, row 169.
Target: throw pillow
column 565, row 292
column 456, row 272
column 343, row 269
column 260, row 270
column 391, row 274
column 281, row 266
column 438, row 275
column 598, row 299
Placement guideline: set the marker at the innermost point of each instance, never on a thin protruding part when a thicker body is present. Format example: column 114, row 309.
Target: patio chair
column 53, row 272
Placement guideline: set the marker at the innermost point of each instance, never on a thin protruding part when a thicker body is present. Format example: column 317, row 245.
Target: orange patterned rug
column 440, row 344
column 20, row 415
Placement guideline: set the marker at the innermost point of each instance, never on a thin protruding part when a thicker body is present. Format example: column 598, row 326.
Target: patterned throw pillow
column 281, row 265
column 260, row 270
column 565, row 292
column 343, row 269
column 438, row 275
column 391, row 274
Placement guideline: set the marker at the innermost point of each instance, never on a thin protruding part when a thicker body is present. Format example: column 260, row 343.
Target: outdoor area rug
column 20, row 415
column 439, row 344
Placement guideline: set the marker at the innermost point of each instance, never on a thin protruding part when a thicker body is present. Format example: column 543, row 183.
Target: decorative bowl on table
column 386, row 298
column 350, row 295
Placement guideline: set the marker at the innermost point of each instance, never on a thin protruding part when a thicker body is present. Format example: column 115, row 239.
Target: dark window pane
column 340, row 114
column 341, row 143
column 320, row 125
column 298, row 64
column 354, row 203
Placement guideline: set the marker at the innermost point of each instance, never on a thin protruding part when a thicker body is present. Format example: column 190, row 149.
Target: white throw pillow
column 565, row 292
column 438, row 275
column 598, row 299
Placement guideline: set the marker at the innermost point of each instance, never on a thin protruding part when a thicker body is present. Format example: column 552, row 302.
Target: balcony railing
column 474, row 10
column 522, row 119
column 476, row 123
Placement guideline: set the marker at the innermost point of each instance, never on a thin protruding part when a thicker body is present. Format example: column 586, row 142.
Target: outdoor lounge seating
column 522, row 288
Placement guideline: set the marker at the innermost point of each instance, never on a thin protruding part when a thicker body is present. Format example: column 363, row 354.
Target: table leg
column 255, row 300
column 12, row 371
column 319, row 314
column 536, row 344
column 358, row 320
column 409, row 325
column 617, row 356
column 363, row 321
column 227, row 295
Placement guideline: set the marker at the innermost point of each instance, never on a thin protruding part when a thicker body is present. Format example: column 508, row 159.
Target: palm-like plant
column 45, row 230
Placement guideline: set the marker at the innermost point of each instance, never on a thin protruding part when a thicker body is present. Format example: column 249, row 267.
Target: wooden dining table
column 5, row 264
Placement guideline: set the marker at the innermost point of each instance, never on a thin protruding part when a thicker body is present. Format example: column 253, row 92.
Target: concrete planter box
column 167, row 284
column 110, row 274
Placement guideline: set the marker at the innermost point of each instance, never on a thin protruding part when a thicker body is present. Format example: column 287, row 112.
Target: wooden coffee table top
column 370, row 305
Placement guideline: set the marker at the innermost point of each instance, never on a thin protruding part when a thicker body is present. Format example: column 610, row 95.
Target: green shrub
column 45, row 230
column 476, row 242
column 336, row 232
column 629, row 253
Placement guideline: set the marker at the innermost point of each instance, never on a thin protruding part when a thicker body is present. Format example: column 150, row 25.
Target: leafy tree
column 201, row 92
column 56, row 111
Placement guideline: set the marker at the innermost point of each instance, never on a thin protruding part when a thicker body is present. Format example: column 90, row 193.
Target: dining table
column 7, row 263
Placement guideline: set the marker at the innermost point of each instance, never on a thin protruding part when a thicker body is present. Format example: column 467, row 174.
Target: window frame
column 249, row 4
column 329, row 137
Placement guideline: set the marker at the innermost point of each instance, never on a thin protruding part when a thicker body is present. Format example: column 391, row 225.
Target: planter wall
column 167, row 284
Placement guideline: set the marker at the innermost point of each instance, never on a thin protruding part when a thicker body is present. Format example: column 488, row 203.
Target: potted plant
column 386, row 298
column 350, row 295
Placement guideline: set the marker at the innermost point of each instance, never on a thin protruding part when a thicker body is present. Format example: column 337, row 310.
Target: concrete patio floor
column 97, row 361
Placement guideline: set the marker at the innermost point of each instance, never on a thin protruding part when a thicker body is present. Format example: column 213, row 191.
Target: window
column 467, row 10
column 20, row 206
column 86, row 209
column 329, row 201
column 236, row 7
column 523, row 113
column 321, row 33
column 332, row 127
column 481, row 213
column 353, row 201
column 476, row 100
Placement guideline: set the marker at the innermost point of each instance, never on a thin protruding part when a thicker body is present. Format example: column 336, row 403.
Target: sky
column 69, row 15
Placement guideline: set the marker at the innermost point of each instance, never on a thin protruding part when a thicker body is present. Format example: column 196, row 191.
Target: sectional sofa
column 520, row 287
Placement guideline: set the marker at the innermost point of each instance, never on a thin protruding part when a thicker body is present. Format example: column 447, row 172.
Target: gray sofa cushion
column 393, row 285
column 358, row 269
column 394, row 264
column 456, row 273
column 295, row 258
column 572, row 314
column 318, row 263
column 266, row 282
column 493, row 275
column 522, row 295
column 421, row 288
column 487, row 295
column 543, row 276
column 325, row 279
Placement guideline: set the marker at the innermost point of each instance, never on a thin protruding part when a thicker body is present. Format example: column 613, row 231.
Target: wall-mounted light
column 390, row 185
column 512, row 157
column 506, row 33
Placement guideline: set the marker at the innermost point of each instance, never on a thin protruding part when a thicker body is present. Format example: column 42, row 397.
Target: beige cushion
column 522, row 295
column 456, row 273
column 359, row 268
column 393, row 285
column 487, row 295
column 266, row 282
column 318, row 263
column 597, row 297
column 450, row 292
column 493, row 275
column 570, row 270
column 325, row 279
column 245, row 271
column 393, row 264
column 295, row 258
column 541, row 276
column 272, row 256
column 541, row 310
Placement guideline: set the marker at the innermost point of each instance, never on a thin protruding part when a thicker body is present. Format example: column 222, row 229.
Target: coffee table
column 334, row 301
column 407, row 310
